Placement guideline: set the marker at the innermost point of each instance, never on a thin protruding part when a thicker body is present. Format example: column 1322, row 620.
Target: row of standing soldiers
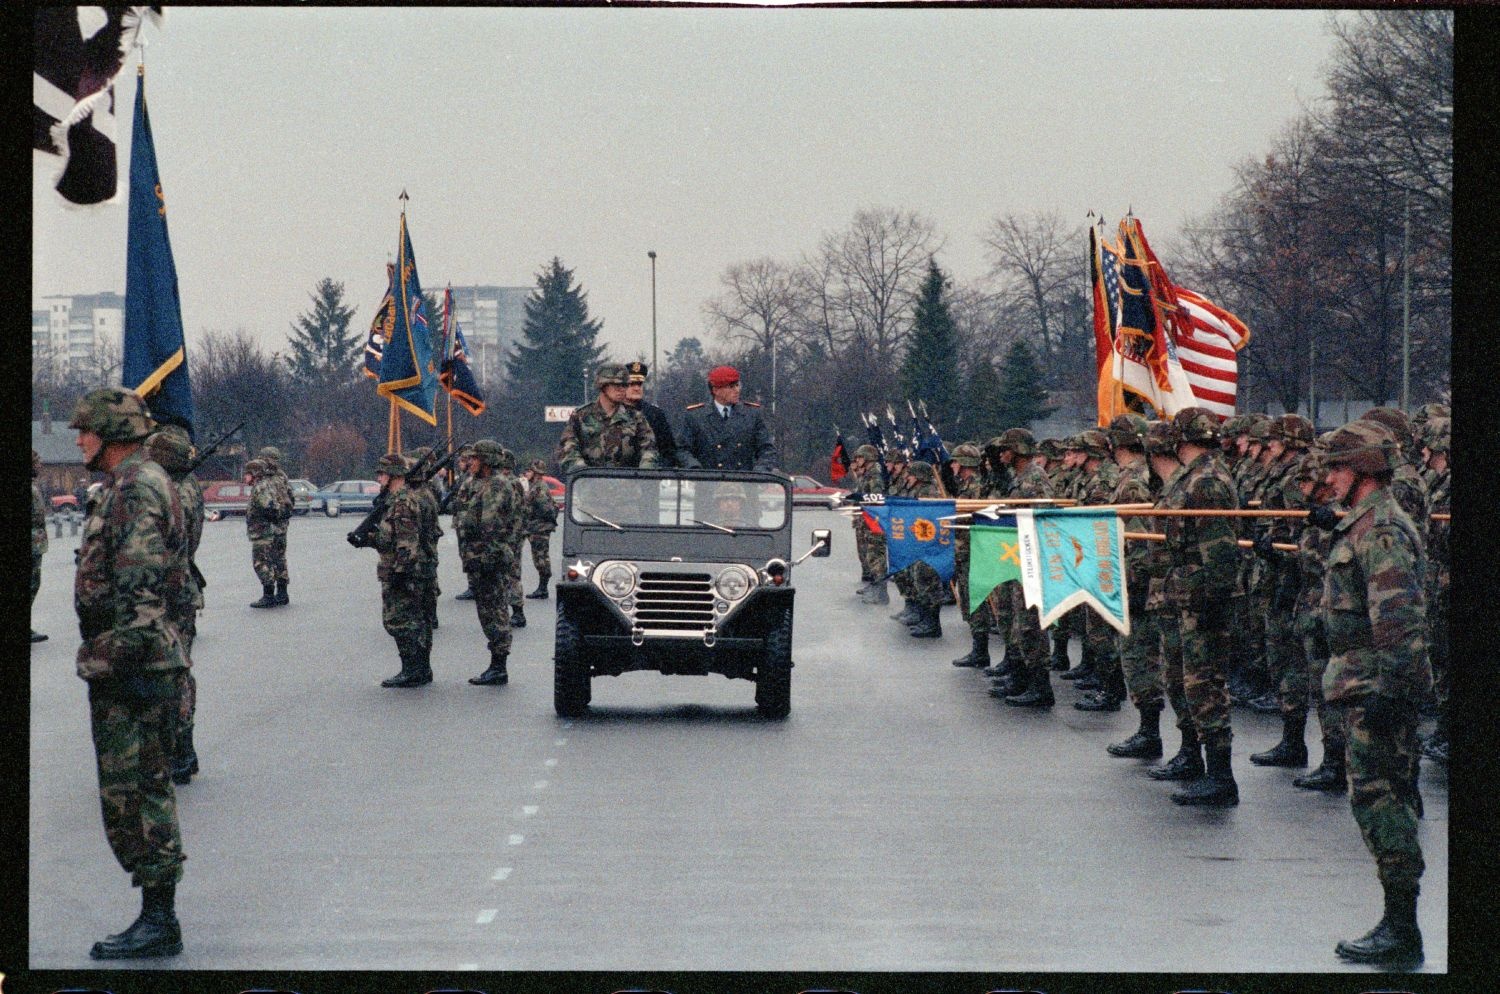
column 1351, row 626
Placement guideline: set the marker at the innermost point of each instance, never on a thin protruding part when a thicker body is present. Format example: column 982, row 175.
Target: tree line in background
column 1327, row 246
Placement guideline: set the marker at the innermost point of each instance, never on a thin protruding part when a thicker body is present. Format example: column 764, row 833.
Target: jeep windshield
column 724, row 506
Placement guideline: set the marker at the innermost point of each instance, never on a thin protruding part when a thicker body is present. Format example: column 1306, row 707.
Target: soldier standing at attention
column 271, row 456
column 1205, row 559
column 1097, row 481
column 266, row 516
column 429, row 497
column 541, row 522
column 1375, row 617
column 507, row 471
column 965, row 464
column 1439, row 486
column 403, row 604
column 1034, row 689
column 726, row 433
column 926, row 585
column 635, row 396
column 38, row 536
column 870, row 545
column 171, row 449
column 463, row 492
column 607, row 432
column 491, row 522
column 131, row 569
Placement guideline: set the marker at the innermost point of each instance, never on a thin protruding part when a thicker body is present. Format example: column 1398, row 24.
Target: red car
column 808, row 492
column 224, row 497
column 556, row 488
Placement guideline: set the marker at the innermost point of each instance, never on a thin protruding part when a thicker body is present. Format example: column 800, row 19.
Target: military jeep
column 684, row 572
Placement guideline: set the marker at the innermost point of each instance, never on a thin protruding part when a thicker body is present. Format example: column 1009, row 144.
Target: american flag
column 1206, row 345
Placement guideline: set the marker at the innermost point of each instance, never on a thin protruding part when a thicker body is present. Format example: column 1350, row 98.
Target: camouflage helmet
column 270, row 454
column 465, row 451
column 488, row 451
column 538, row 466
column 1429, row 412
column 1259, row 430
column 867, row 451
column 1127, row 431
column 418, row 454
column 1435, row 435
column 1161, row 439
column 1293, row 429
column 171, row 448
column 255, row 467
column 921, row 470
column 1197, row 425
column 611, row 374
column 1234, row 425
column 1309, row 467
column 967, row 454
column 1050, row 448
column 1398, row 423
column 1365, row 446
column 1249, row 422
column 1018, row 440
column 1093, row 443
column 394, row 464
column 507, row 459
column 897, row 457
column 114, row 414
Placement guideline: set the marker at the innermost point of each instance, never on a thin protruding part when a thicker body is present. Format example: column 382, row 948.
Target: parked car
column 302, row 493
column 556, row 488
column 64, row 502
column 222, row 498
column 356, row 496
column 808, row 492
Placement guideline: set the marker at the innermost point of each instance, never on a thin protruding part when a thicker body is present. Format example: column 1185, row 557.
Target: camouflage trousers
column 135, row 730
column 492, row 601
column 926, row 585
column 1437, row 648
column 431, row 591
column 268, row 556
column 871, row 566
column 1169, row 624
column 999, row 605
column 187, row 631
column 1288, row 661
column 1204, row 672
column 36, row 576
column 514, row 591
column 1140, row 660
column 1101, row 638
column 403, row 612
column 1026, row 630
column 1383, row 793
column 541, row 556
column 1330, row 716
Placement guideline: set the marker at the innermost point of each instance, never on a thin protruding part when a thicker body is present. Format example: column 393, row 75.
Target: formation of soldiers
column 1350, row 627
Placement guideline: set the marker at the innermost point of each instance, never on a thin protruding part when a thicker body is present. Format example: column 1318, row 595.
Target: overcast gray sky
column 284, row 137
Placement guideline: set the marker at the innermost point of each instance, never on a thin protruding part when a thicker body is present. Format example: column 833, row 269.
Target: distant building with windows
column 492, row 318
column 68, row 331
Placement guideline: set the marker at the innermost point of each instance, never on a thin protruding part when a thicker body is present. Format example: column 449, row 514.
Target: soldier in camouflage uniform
column 402, row 571
column 1378, row 672
column 463, row 492
column 897, row 460
column 1205, row 558
column 1248, row 678
column 1407, row 485
column 492, row 521
column 430, row 493
column 171, row 449
column 926, row 585
column 1435, row 448
column 1098, row 480
column 997, row 480
column 1034, row 687
column 541, row 522
column 1066, row 473
column 266, row 518
column 606, row 432
column 513, row 589
column 867, row 481
column 271, row 456
column 38, row 536
column 131, row 570
column 969, row 486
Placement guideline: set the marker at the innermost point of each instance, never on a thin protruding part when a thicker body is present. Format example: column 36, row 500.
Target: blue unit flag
column 408, row 373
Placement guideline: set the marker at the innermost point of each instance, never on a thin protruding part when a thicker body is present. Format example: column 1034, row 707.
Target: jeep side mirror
column 822, row 542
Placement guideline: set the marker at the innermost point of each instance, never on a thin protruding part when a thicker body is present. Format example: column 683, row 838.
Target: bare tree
column 1036, row 258
column 877, row 265
column 756, row 307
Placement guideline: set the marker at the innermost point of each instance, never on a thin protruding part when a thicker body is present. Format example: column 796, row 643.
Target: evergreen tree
column 930, row 370
column 322, row 344
column 1023, row 398
column 983, row 413
column 558, row 350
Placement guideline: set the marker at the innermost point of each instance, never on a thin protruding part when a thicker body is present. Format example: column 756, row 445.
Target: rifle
column 360, row 537
column 214, row 447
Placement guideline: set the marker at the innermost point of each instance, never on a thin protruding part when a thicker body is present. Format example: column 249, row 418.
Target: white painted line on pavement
column 486, row 916
column 516, row 840
column 501, row 873
column 528, row 810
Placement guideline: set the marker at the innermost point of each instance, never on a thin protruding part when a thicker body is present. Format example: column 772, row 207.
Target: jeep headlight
column 733, row 583
column 617, row 580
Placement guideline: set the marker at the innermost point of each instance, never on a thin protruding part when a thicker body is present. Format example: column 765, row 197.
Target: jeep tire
column 571, row 688
column 773, row 677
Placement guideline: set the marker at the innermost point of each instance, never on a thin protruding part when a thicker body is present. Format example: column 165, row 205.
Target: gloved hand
column 1262, row 548
column 1324, row 516
column 1383, row 714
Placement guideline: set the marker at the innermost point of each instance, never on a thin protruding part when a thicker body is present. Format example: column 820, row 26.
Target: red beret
column 723, row 376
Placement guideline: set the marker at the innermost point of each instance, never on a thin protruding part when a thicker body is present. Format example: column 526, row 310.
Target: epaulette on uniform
column 694, row 407
column 749, row 403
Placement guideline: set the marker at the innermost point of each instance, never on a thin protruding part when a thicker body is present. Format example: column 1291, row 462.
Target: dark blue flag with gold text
column 408, row 374
column 456, row 376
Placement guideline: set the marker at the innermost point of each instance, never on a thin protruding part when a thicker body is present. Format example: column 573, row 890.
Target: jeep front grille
column 668, row 604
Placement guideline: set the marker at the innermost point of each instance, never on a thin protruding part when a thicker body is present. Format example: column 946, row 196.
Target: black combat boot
column 908, row 615
column 928, row 625
column 281, row 597
column 267, row 596
column 1146, row 742
column 1396, row 940
column 1038, row 693
column 155, row 933
column 1329, row 775
column 494, row 676
column 1292, row 749
column 979, row 654
column 1060, row 662
column 1084, row 668
column 1216, row 788
column 185, row 762
column 466, row 595
column 410, row 669
column 1186, row 765
column 518, row 617
column 1109, row 696
column 422, row 664
column 540, row 593
column 1012, row 680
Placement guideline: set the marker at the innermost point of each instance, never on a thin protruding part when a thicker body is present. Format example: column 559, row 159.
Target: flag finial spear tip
column 403, row 198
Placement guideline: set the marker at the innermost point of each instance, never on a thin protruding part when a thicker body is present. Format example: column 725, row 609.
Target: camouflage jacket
column 1204, row 554
column 593, row 438
column 464, row 493
column 1133, row 486
column 1374, row 610
column 1438, row 561
column 191, row 496
column 870, row 481
column 398, row 537
column 996, row 483
column 1410, row 492
column 541, row 510
column 1312, row 559
column 431, row 531
column 270, row 507
column 1030, row 482
column 494, row 521
column 1097, row 487
column 1063, row 481
column 132, row 565
column 38, row 522
column 1158, row 559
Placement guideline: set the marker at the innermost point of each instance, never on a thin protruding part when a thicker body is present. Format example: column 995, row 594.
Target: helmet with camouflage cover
column 868, row 451
column 611, row 374
column 171, row 448
column 1309, row 468
column 538, row 466
column 269, row 454
column 114, row 414
column 1429, row 412
column 967, row 454
column 1248, row 426
column 507, row 459
column 1127, row 431
column 1293, row 429
column 1365, row 446
column 1259, row 430
column 1093, row 443
column 394, row 464
column 1161, row 439
column 1018, row 440
column 1435, row 435
column 255, row 468
column 1050, row 448
column 921, row 470
column 414, row 457
column 897, row 457
column 1397, row 422
column 1197, row 425
column 488, row 451
column 1234, row 425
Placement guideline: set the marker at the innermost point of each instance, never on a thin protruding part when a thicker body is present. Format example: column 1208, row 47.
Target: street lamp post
column 651, row 254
